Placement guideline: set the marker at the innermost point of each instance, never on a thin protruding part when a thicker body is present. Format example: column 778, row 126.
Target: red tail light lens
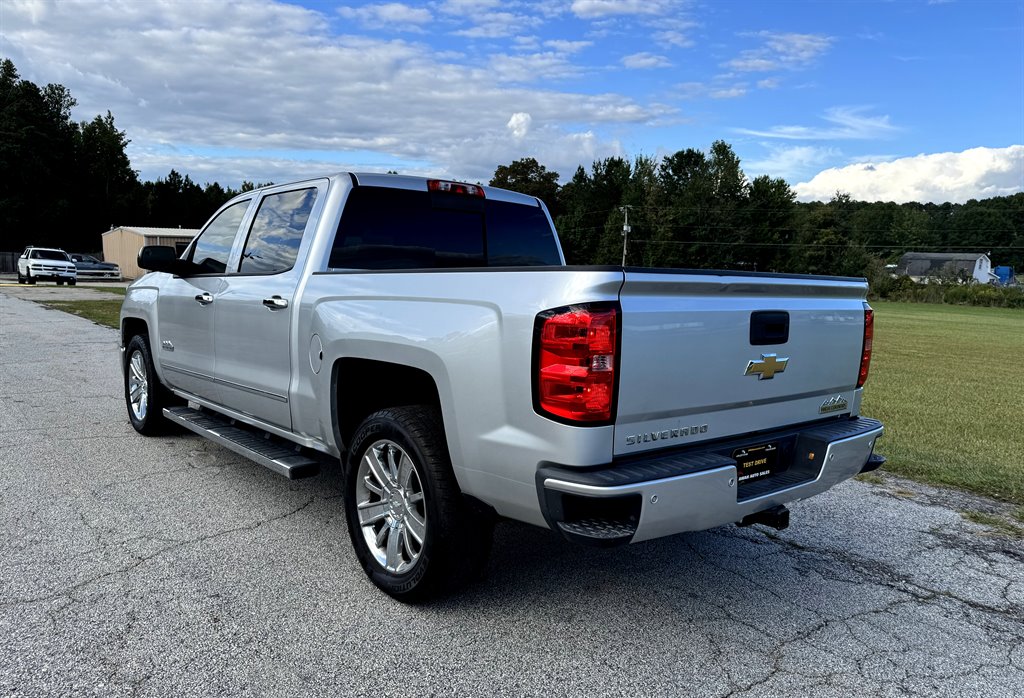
column 576, row 363
column 869, row 335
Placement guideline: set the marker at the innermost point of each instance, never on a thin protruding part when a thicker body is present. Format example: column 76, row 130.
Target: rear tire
column 60, row 282
column 72, row 282
column 414, row 533
column 144, row 396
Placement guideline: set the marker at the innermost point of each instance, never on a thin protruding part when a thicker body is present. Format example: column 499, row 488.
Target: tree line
column 64, row 183
column 699, row 210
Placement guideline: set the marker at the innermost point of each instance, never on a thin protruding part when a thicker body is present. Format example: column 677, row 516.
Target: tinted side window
column 213, row 246
column 383, row 228
column 276, row 232
column 519, row 235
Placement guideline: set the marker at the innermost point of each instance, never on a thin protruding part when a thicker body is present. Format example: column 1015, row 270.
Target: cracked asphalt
column 172, row 567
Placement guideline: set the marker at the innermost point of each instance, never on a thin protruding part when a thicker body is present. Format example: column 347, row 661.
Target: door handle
column 204, row 299
column 275, row 303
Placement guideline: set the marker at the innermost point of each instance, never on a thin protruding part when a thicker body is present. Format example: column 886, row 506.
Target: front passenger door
column 184, row 348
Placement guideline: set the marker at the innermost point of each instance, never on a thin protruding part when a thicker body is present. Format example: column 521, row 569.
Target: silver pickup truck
column 429, row 335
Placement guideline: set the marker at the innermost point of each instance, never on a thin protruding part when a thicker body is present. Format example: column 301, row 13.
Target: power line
column 826, row 244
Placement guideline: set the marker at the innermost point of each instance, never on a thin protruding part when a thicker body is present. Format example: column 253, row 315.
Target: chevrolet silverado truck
column 428, row 334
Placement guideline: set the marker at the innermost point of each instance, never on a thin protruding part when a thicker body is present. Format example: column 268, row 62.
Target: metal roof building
column 122, row 244
column 921, row 266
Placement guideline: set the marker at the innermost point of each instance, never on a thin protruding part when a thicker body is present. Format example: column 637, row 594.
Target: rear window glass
column 384, row 228
column 276, row 232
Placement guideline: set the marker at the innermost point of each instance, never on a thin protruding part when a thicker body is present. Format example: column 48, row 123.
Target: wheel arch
column 374, row 385
column 131, row 326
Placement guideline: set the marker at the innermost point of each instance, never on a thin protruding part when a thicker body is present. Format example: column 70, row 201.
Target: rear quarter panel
column 472, row 332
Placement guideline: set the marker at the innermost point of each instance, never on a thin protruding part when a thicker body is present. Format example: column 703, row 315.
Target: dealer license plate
column 756, row 462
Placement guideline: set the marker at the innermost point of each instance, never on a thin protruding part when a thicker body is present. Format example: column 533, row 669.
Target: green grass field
column 948, row 382
column 102, row 312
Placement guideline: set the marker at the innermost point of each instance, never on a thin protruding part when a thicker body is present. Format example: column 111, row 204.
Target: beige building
column 122, row 244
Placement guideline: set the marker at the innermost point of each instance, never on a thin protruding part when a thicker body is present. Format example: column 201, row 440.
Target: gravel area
column 173, row 567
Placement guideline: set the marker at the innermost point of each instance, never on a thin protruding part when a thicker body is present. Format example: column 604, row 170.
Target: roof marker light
column 455, row 187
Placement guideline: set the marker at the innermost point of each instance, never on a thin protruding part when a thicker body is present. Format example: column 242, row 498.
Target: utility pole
column 625, row 232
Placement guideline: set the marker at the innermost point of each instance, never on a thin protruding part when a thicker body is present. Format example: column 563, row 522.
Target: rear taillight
column 575, row 363
column 869, row 335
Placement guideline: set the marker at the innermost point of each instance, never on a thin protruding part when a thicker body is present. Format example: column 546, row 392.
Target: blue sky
column 887, row 100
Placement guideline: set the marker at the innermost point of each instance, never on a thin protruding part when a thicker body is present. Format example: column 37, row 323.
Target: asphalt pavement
column 173, row 567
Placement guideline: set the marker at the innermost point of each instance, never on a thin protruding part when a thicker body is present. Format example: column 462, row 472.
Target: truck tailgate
column 687, row 342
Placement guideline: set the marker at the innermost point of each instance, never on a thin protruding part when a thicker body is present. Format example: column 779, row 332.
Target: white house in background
column 122, row 244
column 925, row 266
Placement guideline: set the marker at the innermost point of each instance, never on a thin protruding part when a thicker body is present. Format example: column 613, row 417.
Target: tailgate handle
column 769, row 327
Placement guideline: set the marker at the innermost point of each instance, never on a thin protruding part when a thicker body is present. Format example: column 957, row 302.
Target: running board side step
column 281, row 456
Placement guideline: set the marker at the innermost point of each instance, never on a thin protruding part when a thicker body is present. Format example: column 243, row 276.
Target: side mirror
column 165, row 259
column 157, row 258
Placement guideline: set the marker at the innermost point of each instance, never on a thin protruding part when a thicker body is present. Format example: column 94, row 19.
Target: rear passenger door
column 253, row 337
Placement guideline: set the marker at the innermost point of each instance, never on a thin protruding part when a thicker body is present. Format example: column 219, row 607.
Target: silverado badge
column 833, row 404
column 766, row 367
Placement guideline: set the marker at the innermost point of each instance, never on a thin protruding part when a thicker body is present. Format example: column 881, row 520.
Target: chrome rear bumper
column 617, row 504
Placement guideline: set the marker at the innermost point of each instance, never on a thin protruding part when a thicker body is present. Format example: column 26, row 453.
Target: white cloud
column 768, row 84
column 721, row 88
column 673, row 38
column 395, row 16
column 779, row 51
column 519, row 124
column 844, row 123
column 691, row 90
column 977, row 173
column 532, row 67
column 463, row 8
column 496, row 25
column 594, row 9
column 644, row 61
column 563, row 46
column 733, row 92
column 752, row 64
column 790, row 162
column 267, row 77
column 233, row 170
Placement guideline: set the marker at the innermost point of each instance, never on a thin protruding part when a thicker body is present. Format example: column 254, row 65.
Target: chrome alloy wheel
column 138, row 385
column 392, row 510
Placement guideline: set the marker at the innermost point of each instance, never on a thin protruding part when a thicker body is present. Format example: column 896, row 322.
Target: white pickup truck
column 429, row 335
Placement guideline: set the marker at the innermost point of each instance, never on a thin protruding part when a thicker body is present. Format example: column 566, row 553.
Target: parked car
column 46, row 264
column 89, row 266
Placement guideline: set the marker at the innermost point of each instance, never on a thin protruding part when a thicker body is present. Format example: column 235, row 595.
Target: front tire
column 143, row 394
column 414, row 533
column 72, row 282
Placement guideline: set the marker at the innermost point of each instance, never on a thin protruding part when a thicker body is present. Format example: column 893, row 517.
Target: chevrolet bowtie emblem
column 766, row 367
